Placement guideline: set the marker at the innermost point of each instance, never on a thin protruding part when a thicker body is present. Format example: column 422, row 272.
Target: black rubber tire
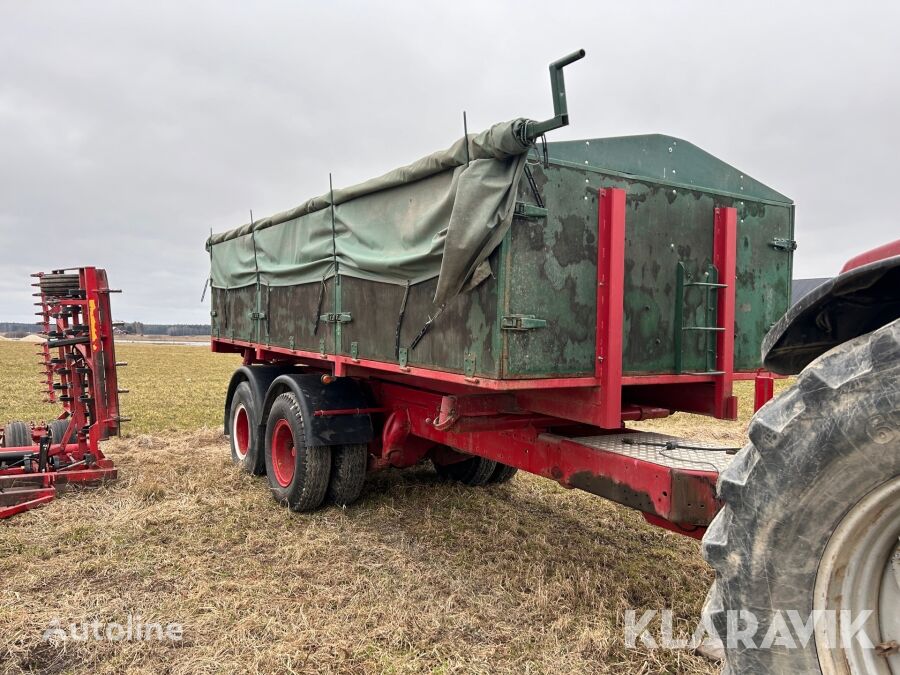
column 16, row 435
column 312, row 465
column 348, row 473
column 814, row 452
column 503, row 473
column 253, row 461
column 474, row 472
column 57, row 428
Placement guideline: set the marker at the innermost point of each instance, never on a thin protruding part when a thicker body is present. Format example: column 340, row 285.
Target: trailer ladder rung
column 711, row 287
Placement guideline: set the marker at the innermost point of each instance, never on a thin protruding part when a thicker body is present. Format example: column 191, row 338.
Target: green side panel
column 464, row 332
column 233, row 313
column 764, row 274
column 550, row 273
column 665, row 227
column 291, row 316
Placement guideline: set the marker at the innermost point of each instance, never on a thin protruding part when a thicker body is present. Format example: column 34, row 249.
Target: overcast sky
column 129, row 129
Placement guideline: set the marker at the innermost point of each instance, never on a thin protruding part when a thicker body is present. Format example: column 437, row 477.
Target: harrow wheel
column 57, row 428
column 297, row 474
column 16, row 435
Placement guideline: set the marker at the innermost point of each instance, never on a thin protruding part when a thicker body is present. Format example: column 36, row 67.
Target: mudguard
column 344, row 393
column 855, row 302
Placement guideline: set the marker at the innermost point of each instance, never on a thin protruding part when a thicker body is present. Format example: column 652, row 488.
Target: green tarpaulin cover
column 438, row 217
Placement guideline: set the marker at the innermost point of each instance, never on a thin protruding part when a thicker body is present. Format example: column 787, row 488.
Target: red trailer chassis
column 79, row 364
column 571, row 430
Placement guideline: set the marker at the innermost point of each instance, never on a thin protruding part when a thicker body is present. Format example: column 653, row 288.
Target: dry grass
column 171, row 388
column 419, row 576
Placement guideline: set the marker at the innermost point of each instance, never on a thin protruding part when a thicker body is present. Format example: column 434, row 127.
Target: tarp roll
column 438, row 217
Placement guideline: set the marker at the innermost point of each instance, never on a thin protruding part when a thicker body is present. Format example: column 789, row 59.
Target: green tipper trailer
column 534, row 315
column 513, row 304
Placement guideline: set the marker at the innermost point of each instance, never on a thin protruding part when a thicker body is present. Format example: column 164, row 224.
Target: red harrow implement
column 79, row 364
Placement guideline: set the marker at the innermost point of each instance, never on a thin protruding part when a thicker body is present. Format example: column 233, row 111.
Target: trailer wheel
column 243, row 421
column 57, row 428
column 475, row 471
column 503, row 473
column 812, row 517
column 348, row 473
column 298, row 475
column 16, row 435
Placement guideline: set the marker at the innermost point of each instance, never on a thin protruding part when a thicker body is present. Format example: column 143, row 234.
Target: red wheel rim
column 240, row 431
column 284, row 453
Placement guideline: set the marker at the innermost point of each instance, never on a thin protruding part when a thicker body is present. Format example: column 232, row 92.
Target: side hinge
column 343, row 317
column 531, row 211
column 781, row 244
column 522, row 322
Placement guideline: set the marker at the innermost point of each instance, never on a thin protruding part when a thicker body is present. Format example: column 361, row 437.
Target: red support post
column 764, row 390
column 725, row 260
column 610, row 304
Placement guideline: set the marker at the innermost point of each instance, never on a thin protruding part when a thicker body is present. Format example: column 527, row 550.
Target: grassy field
column 419, row 576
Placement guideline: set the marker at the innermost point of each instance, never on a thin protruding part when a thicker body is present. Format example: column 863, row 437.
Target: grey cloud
column 129, row 129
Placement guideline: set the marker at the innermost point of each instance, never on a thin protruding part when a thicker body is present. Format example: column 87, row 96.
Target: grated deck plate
column 676, row 458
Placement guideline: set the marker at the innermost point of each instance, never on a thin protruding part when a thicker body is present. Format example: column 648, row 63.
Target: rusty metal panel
column 374, row 308
column 233, row 313
column 464, row 333
column 291, row 313
column 550, row 273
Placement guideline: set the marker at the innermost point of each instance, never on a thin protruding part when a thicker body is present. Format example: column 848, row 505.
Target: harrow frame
column 78, row 358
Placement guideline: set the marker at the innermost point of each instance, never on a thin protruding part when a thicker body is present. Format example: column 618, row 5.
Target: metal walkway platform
column 651, row 447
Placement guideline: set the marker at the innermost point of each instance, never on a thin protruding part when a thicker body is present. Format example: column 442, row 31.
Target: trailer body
column 615, row 280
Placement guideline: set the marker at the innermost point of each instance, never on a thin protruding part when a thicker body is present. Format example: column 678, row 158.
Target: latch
column 256, row 316
column 343, row 317
column 782, row 244
column 522, row 322
column 531, row 211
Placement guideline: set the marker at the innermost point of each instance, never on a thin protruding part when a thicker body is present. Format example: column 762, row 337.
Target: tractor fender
column 342, row 394
column 857, row 301
column 259, row 378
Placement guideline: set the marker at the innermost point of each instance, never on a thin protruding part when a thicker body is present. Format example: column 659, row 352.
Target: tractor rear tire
column 243, row 421
column 57, row 428
column 16, row 435
column 297, row 474
column 348, row 473
column 474, row 472
column 818, row 456
column 503, row 473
